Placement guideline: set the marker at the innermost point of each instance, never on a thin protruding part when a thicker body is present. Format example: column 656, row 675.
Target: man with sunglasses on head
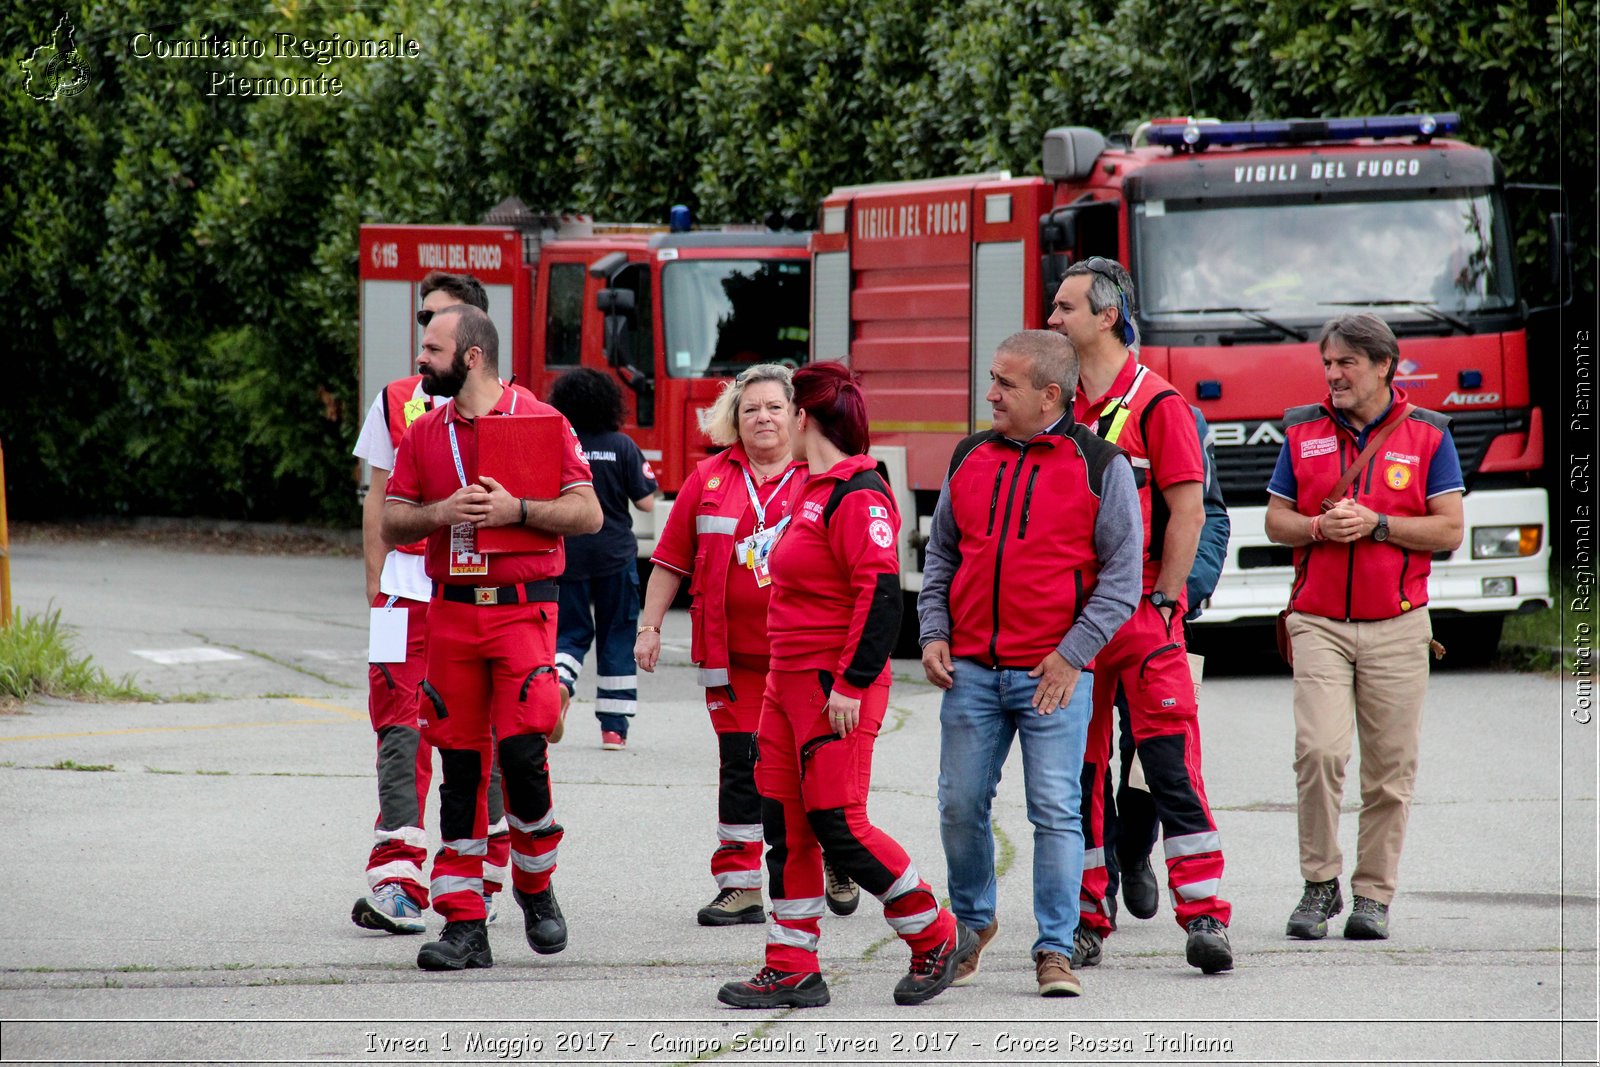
column 1135, row 409
column 397, row 582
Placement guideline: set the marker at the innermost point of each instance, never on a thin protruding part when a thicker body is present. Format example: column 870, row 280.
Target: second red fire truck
column 672, row 314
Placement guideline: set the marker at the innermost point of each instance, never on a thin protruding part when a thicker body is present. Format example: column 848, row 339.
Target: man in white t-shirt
column 397, row 584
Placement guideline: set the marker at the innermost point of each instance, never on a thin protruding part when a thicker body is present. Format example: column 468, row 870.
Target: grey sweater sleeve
column 1119, row 542
column 943, row 557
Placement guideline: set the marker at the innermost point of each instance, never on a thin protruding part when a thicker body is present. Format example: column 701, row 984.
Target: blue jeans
column 980, row 714
column 614, row 601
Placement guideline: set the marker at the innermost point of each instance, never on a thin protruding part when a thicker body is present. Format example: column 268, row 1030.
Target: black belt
column 486, row 595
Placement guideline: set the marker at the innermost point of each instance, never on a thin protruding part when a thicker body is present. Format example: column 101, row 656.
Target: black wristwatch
column 1380, row 532
column 1158, row 599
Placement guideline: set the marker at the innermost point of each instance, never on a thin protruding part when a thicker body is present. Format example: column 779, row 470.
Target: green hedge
column 182, row 272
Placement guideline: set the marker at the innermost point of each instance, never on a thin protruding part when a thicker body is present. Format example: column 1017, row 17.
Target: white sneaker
column 388, row 908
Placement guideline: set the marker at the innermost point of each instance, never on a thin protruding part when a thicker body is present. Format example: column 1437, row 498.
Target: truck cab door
column 628, row 336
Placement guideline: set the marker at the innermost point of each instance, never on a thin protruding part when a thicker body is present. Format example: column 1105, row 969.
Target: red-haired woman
column 832, row 622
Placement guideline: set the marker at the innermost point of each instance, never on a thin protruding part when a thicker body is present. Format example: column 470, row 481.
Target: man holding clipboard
column 494, row 558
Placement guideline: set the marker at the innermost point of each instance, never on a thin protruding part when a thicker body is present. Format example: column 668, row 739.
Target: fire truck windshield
column 1207, row 266
column 722, row 315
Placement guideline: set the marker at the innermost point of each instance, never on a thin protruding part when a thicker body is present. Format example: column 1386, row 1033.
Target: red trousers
column 1149, row 660
column 491, row 689
column 814, row 800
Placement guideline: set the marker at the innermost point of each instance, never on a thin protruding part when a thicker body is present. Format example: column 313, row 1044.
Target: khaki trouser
column 1368, row 677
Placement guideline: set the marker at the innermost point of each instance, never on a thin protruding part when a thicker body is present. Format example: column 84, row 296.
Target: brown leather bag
column 1342, row 486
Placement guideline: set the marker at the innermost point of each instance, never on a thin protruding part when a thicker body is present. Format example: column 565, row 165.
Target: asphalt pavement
column 179, row 874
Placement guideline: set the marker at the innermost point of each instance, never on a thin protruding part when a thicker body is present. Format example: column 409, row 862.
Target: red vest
column 724, row 498
column 403, row 403
column 1363, row 580
column 1026, row 515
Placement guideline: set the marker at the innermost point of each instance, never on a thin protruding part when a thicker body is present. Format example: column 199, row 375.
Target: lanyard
column 1119, row 406
column 755, row 501
column 455, row 448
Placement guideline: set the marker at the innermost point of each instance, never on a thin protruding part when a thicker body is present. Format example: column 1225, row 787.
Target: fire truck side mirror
column 1561, row 250
column 615, row 302
column 1069, row 153
column 607, row 265
column 617, row 307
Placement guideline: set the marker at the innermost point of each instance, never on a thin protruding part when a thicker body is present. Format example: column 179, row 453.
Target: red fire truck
column 1243, row 238
column 672, row 314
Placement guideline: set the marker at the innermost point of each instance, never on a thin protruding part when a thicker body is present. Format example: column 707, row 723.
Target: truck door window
column 563, row 332
column 635, row 278
column 722, row 315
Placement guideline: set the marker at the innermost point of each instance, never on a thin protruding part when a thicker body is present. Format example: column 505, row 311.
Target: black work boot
column 1207, row 947
column 463, row 943
column 933, row 970
column 1140, row 890
column 1369, row 920
column 776, row 989
column 1321, row 902
column 542, row 920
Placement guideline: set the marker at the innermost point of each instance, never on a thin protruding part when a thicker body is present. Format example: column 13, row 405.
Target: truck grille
column 1245, row 470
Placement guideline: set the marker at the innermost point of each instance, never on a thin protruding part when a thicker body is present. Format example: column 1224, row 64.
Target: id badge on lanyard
column 465, row 559
column 753, row 551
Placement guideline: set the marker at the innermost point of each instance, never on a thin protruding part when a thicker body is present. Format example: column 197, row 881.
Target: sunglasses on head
column 1104, row 267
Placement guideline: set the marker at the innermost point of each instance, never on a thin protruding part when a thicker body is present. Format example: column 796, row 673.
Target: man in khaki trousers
column 1366, row 489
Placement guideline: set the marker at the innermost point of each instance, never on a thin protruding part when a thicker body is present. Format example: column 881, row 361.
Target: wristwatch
column 1158, row 599
column 1380, row 532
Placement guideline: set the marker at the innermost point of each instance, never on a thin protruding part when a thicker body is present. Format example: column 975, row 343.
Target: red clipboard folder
column 522, row 453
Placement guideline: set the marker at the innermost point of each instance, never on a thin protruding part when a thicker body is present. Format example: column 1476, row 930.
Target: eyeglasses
column 424, row 317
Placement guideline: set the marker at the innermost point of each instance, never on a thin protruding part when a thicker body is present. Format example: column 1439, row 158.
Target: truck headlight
column 1505, row 542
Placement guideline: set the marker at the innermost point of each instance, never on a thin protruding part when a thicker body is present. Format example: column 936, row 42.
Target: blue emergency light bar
column 1195, row 136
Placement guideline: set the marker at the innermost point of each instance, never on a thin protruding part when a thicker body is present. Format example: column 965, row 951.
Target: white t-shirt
column 404, row 575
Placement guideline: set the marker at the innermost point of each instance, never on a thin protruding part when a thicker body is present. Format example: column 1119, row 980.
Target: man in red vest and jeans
column 1359, row 622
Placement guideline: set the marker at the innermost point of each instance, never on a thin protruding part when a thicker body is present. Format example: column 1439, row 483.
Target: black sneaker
column 1087, row 947
column 776, row 989
column 542, row 920
column 1140, row 890
column 1369, row 920
column 1208, row 947
column 931, row 971
column 463, row 943
column 1321, row 902
column 844, row 896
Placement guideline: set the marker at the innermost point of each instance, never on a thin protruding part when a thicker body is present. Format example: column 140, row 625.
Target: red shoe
column 612, row 741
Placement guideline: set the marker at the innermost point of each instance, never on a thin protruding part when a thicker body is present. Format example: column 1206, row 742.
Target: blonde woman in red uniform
column 721, row 527
column 832, row 622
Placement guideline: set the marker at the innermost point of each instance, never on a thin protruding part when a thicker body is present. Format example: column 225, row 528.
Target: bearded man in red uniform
column 491, row 678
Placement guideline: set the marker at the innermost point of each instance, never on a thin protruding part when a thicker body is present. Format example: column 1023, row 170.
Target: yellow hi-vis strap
column 1117, row 423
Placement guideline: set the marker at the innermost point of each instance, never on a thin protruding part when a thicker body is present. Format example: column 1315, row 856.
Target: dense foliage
column 181, row 271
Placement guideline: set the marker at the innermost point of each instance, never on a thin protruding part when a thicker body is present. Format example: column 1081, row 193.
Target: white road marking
column 172, row 656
